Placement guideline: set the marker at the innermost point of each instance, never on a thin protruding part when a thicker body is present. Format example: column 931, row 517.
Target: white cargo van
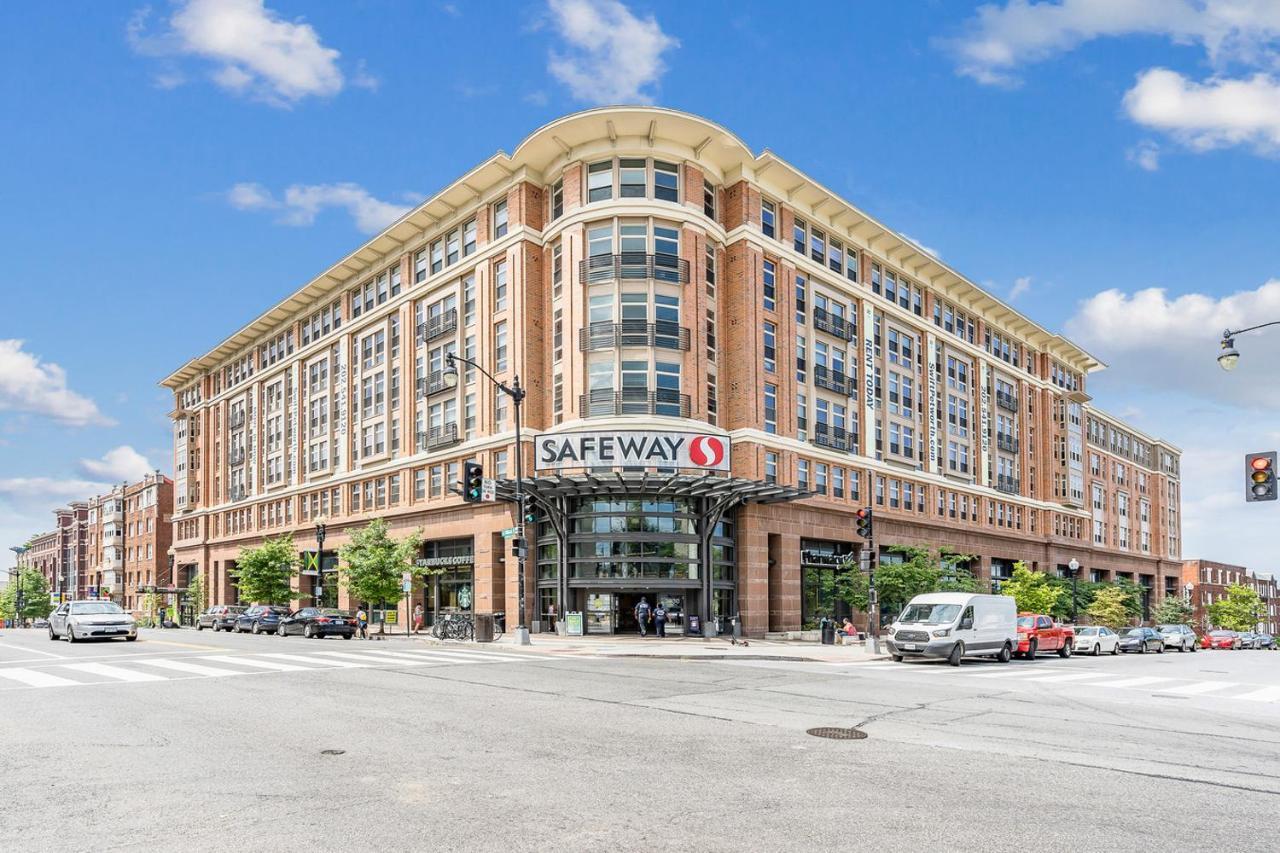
column 953, row 625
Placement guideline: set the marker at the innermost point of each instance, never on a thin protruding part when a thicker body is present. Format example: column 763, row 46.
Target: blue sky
column 170, row 171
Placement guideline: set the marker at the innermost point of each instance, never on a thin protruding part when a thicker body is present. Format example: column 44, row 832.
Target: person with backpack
column 643, row 613
column 362, row 623
column 659, row 620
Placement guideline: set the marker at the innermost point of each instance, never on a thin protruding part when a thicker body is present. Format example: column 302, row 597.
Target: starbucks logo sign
column 464, row 597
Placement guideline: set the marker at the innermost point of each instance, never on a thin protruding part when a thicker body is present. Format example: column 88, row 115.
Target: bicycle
column 454, row 627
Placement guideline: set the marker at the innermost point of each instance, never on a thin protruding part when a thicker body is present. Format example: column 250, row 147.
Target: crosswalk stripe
column 480, row 655
column 1019, row 672
column 35, row 678
column 1069, row 676
column 380, row 653
column 1266, row 694
column 312, row 660
column 1144, row 681
column 372, row 658
column 253, row 662
column 1199, row 687
column 190, row 668
column 456, row 657
column 117, row 672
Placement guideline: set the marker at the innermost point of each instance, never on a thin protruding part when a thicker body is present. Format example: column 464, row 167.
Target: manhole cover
column 835, row 733
column 332, row 751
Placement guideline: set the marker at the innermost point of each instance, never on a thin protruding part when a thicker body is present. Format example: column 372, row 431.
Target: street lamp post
column 174, row 586
column 19, row 600
column 1229, row 357
column 321, row 523
column 1074, row 566
column 516, row 393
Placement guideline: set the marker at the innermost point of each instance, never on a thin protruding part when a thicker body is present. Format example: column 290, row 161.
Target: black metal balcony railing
column 833, row 380
column 441, row 324
column 1005, row 400
column 1009, row 485
column 432, row 383
column 1006, row 442
column 438, row 436
column 634, row 265
column 633, row 333
column 237, row 493
column 237, row 421
column 634, row 401
column 825, row 435
column 824, row 321
column 236, row 456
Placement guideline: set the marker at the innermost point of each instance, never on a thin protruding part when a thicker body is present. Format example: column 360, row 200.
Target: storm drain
column 332, row 751
column 836, row 733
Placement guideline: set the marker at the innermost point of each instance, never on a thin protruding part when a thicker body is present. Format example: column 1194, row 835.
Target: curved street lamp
column 1230, row 357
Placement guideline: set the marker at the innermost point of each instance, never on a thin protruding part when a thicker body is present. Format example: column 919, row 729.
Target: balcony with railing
column 833, row 380
column 1006, row 442
column 825, row 321
column 1007, row 401
column 633, row 333
column 432, row 383
column 238, row 493
column 1008, row 485
column 633, row 265
column 603, row 402
column 236, row 421
column 438, row 326
column 834, row 437
column 437, row 437
column 235, row 456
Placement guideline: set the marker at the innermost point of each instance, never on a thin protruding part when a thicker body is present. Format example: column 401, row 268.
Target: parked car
column 1096, row 640
column 219, row 617
column 1221, row 640
column 952, row 625
column 261, row 619
column 40, row 622
column 1179, row 637
column 80, row 620
column 1248, row 640
column 1039, row 633
column 1266, row 641
column 1142, row 640
column 318, row 622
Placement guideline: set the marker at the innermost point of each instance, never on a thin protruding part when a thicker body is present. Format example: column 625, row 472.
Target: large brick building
column 61, row 554
column 650, row 279
column 1206, row 581
column 129, row 540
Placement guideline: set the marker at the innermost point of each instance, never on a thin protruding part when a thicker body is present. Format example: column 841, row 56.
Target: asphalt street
column 199, row 741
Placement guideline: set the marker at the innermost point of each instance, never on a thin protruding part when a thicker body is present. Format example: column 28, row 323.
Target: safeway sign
column 635, row 448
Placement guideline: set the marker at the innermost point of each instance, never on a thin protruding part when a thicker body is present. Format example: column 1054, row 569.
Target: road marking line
column 1266, row 694
column 1071, row 676
column 1135, row 682
column 480, row 655
column 1199, row 687
column 307, row 659
column 1020, row 672
column 35, row 678
column 116, row 672
column 191, row 668
column 33, row 652
column 259, row 664
column 376, row 657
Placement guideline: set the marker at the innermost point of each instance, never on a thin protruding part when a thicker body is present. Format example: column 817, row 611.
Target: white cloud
column 1218, row 113
column 1020, row 286
column 611, row 55
column 120, row 463
column 302, row 203
column 1145, row 155
column 30, row 385
column 253, row 50
column 50, row 488
column 913, row 241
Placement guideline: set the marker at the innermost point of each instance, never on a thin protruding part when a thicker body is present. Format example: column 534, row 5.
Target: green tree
column 852, row 586
column 1031, row 590
column 372, row 564
column 198, row 593
column 1133, row 597
column 1173, row 610
column 954, row 572
column 1110, row 607
column 1240, row 610
column 264, row 574
column 35, row 596
column 897, row 583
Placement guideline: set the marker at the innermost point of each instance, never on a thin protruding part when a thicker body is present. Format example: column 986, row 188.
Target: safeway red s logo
column 706, row 451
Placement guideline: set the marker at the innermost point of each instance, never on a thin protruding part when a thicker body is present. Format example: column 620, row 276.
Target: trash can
column 737, row 627
column 828, row 631
column 484, row 627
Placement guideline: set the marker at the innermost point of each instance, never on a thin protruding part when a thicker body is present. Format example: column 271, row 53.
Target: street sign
column 489, row 489
column 511, row 532
column 407, row 586
column 406, row 577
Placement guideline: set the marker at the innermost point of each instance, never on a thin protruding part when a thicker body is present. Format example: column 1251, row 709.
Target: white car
column 1096, row 640
column 82, row 620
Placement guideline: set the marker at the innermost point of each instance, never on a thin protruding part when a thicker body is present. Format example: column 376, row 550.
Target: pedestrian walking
column 660, row 620
column 362, row 623
column 643, row 614
column 417, row 619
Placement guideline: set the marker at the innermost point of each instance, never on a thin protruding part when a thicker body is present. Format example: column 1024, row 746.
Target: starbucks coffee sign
column 632, row 448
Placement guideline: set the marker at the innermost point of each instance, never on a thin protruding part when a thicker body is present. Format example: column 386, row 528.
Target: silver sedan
column 82, row 620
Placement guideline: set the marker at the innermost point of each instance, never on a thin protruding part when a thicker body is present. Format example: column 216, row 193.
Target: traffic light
column 864, row 523
column 1260, row 476
column 472, row 482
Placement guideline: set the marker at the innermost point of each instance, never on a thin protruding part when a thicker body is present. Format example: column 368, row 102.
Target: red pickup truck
column 1039, row 633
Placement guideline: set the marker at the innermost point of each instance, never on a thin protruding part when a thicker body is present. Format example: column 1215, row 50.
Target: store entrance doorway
column 625, row 615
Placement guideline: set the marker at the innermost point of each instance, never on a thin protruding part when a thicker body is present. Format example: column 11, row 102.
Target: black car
column 261, row 619
column 219, row 617
column 318, row 622
column 1142, row 640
